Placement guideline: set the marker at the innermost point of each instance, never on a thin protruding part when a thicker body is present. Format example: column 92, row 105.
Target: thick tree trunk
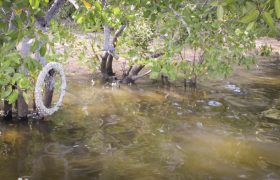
column 53, row 10
column 107, row 58
column 22, row 107
column 103, row 63
column 48, row 97
column 49, row 89
column 109, row 66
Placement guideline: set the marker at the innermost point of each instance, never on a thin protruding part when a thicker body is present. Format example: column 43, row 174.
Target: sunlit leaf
column 18, row 11
column 251, row 16
column 250, row 26
column 43, row 50
column 13, row 97
column 34, row 3
column 269, row 20
column 277, row 8
column 7, row 92
column 24, row 83
column 25, row 97
column 220, row 13
column 87, row 4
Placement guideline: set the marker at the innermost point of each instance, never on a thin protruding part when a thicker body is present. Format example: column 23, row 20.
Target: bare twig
column 134, row 78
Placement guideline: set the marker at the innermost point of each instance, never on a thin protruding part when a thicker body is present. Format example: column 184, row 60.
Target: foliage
column 259, row 15
column 65, row 12
column 19, row 70
column 219, row 33
column 265, row 50
column 137, row 40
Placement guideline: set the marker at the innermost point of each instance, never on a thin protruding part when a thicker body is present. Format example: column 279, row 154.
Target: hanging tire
column 42, row 109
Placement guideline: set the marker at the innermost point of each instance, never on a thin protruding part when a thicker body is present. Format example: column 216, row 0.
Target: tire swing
column 42, row 109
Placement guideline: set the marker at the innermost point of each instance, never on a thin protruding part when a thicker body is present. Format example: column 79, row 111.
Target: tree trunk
column 107, row 58
column 49, row 89
column 130, row 77
column 43, row 22
column 109, row 66
column 103, row 63
column 165, row 80
column 22, row 107
column 7, row 110
column 136, row 69
column 48, row 97
column 52, row 11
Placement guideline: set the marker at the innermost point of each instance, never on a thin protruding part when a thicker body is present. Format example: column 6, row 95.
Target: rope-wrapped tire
column 42, row 109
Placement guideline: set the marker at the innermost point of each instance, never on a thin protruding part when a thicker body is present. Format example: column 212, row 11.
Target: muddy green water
column 150, row 132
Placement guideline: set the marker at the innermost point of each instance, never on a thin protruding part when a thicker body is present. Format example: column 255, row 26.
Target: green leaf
column 25, row 97
column 13, row 97
column 250, row 26
column 215, row 3
column 277, row 8
column 80, row 20
column 154, row 75
column 34, row 46
column 16, row 78
column 251, row 16
column 269, row 20
column 220, row 13
column 24, row 83
column 164, row 71
column 7, row 92
column 34, row 3
column 98, row 6
column 43, row 50
column 116, row 11
column 227, row 2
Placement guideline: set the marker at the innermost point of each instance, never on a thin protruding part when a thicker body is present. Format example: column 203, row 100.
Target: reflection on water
column 143, row 132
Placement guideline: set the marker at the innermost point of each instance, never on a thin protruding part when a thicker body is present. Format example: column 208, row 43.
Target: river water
column 152, row 132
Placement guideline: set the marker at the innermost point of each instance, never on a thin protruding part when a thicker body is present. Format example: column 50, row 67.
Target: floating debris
column 233, row 88
column 214, row 103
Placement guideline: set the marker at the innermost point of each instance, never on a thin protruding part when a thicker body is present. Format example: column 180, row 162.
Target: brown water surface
column 150, row 132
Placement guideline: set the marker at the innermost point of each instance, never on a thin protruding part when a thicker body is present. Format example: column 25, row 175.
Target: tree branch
column 181, row 19
column 53, row 10
column 134, row 78
column 117, row 34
